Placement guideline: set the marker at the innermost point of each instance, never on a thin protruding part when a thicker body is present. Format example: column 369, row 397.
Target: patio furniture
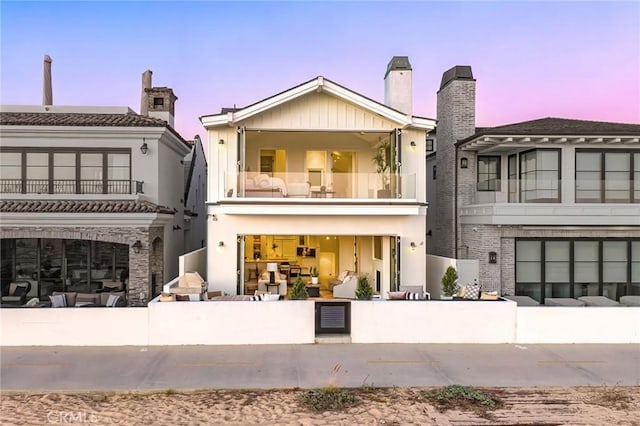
column 523, row 300
column 562, row 301
column 346, row 290
column 630, row 300
column 17, row 294
column 598, row 301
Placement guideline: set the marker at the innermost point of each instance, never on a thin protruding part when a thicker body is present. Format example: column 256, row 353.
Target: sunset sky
column 530, row 59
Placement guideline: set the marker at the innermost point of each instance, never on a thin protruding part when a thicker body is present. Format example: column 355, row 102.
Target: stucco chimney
column 47, row 90
column 398, row 86
column 146, row 84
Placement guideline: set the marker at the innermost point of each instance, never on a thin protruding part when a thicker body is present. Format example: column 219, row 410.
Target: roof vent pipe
column 47, row 91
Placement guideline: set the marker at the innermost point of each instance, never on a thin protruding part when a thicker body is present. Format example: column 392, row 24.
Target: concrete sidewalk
column 311, row 366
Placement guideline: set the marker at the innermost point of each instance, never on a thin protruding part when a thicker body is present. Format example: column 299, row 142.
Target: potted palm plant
column 364, row 291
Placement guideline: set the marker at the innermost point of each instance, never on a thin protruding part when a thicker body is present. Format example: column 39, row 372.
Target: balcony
column 303, row 186
column 70, row 186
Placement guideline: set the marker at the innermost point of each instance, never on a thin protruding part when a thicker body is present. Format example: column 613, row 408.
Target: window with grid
column 488, row 173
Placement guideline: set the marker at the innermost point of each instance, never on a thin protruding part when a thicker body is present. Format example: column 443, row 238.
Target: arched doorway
column 157, row 267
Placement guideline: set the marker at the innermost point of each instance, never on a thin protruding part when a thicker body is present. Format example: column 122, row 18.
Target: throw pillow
column 489, row 295
column 58, row 301
column 471, row 291
column 254, row 298
column 412, row 296
column 397, row 295
column 342, row 275
column 20, row 291
column 113, row 299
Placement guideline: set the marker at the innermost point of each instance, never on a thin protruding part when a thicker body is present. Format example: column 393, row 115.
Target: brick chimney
column 157, row 102
column 456, row 105
column 47, row 90
column 398, row 85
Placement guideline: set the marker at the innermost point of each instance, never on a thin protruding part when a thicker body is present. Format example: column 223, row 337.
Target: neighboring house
column 319, row 176
column 91, row 195
column 195, row 197
column 549, row 207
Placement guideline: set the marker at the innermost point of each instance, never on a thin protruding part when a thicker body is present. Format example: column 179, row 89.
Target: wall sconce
column 413, row 245
column 136, row 246
column 464, row 163
column 429, row 233
column 412, row 145
column 221, row 142
column 144, row 147
column 493, row 257
column 220, row 243
column 176, row 227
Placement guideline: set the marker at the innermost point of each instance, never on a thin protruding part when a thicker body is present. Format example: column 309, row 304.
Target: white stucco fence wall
column 591, row 324
column 195, row 261
column 232, row 323
column 73, row 327
column 412, row 321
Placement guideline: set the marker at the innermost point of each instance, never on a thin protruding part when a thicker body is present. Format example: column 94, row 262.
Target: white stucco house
column 319, row 176
column 549, row 207
column 92, row 196
column 195, row 196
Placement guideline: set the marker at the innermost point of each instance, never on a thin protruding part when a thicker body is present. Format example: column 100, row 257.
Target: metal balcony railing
column 70, row 186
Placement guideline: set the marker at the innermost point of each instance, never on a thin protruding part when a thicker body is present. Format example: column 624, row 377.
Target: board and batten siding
column 319, row 111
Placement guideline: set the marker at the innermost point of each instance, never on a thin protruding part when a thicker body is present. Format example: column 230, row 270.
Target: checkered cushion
column 471, row 291
column 412, row 296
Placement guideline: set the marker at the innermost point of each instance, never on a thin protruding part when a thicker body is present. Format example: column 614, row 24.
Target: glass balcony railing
column 330, row 185
column 70, row 186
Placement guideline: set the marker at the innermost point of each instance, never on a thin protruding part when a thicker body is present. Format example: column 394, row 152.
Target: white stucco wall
column 231, row 323
column 195, row 261
column 73, row 327
column 555, row 324
column 415, row 321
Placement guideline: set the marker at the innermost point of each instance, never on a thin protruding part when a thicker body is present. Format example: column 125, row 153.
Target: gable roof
column 551, row 126
column 318, row 84
column 76, row 119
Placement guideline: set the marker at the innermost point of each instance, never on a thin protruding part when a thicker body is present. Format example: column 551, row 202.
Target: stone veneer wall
column 138, row 290
column 501, row 239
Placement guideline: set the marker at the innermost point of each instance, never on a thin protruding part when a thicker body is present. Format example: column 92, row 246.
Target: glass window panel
column 528, row 250
column 118, row 166
column 37, row 165
column 557, row 290
column 64, row 166
column 588, row 161
column 614, row 271
column 585, row 251
column 617, row 161
column 528, row 272
column 539, row 176
column 635, row 272
column 557, row 272
column 548, row 160
column 635, row 251
column 586, row 272
column 557, row 251
column 11, row 165
column 614, row 251
column 91, row 169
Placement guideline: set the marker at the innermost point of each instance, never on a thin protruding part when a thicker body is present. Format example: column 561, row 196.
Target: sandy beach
column 395, row 406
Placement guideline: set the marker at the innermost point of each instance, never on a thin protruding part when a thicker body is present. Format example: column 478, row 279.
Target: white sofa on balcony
column 346, row 290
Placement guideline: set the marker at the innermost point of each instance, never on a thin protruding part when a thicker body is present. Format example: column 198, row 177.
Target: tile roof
column 81, row 206
column 130, row 119
column 78, row 119
column 560, row 126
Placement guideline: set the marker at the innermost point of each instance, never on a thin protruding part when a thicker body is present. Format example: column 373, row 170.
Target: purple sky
column 530, row 59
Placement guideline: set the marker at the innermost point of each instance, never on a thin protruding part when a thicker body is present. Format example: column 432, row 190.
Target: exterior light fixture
column 221, row 142
column 413, row 245
column 220, row 243
column 413, row 144
column 464, row 163
column 136, row 246
column 144, row 147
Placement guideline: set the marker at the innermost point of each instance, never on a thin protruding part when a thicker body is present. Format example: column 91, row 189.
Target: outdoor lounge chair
column 18, row 291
